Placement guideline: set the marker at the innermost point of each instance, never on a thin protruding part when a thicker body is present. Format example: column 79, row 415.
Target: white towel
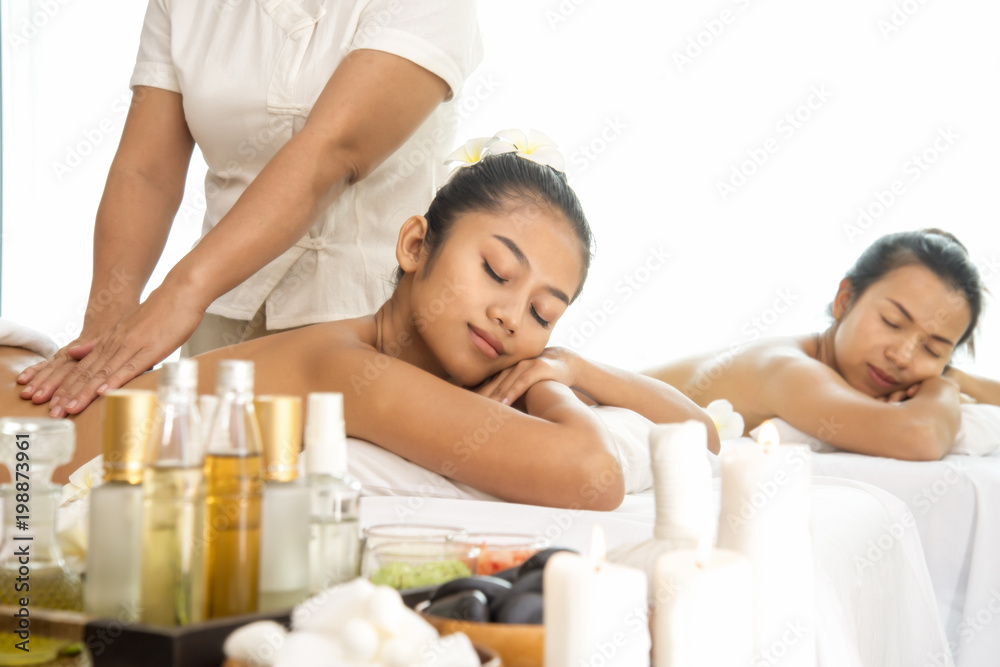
column 18, row 335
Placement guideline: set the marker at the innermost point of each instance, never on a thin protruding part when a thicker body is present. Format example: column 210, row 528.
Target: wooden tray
column 517, row 645
column 116, row 644
column 487, row 657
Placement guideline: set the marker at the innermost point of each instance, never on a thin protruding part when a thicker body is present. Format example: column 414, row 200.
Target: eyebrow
column 523, row 260
column 906, row 313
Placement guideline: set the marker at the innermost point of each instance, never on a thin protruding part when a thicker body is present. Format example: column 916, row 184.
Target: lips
column 487, row 344
column 881, row 378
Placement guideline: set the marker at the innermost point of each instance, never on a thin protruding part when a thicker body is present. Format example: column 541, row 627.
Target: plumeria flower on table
column 82, row 480
column 74, row 509
column 728, row 422
column 534, row 146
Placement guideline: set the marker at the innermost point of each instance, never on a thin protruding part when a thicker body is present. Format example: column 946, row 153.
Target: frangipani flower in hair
column 468, row 153
column 535, row 146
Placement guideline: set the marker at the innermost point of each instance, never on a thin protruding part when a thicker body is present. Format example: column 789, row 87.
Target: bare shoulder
column 774, row 354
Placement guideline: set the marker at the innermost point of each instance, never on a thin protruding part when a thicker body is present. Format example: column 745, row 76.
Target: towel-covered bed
column 876, row 602
column 955, row 503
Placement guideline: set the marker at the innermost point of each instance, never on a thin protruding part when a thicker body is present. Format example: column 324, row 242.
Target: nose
column 900, row 352
column 506, row 314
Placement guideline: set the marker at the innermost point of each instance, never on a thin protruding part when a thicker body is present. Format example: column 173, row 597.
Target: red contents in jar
column 492, row 561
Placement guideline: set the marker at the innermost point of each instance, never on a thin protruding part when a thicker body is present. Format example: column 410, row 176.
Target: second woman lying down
column 878, row 381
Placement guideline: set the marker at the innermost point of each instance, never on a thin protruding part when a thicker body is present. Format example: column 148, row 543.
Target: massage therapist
column 322, row 125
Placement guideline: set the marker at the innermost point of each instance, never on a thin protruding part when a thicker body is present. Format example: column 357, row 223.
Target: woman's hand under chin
column 900, row 395
column 554, row 363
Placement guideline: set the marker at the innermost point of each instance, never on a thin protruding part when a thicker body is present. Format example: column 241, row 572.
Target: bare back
column 736, row 375
column 288, row 363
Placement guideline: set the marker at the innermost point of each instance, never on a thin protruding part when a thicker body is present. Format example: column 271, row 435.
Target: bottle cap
column 234, row 375
column 326, row 445
column 182, row 375
column 280, row 420
column 128, row 419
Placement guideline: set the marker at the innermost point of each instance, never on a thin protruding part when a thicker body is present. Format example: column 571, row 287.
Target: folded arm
column 604, row 385
column 815, row 399
column 558, row 454
column 978, row 388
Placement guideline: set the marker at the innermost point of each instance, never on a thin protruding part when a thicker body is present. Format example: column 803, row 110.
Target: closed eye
column 492, row 273
column 544, row 323
column 932, row 352
column 891, row 325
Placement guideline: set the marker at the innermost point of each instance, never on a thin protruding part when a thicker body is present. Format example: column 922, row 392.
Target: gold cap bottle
column 128, row 419
column 280, row 420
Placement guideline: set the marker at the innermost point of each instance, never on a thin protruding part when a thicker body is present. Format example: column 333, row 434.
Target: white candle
column 682, row 487
column 765, row 515
column 596, row 613
column 703, row 609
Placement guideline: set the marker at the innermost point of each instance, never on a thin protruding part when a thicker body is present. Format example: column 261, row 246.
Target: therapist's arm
column 373, row 102
column 143, row 191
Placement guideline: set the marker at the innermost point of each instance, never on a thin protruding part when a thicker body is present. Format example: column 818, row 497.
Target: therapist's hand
column 42, row 379
column 135, row 344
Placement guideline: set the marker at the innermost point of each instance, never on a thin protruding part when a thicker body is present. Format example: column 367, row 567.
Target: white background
column 648, row 137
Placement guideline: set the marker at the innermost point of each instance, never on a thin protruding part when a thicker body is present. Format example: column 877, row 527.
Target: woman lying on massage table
column 878, row 380
column 502, row 252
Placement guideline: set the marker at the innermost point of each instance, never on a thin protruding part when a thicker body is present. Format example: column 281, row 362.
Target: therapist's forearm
column 133, row 222
column 144, row 189
column 274, row 212
column 373, row 102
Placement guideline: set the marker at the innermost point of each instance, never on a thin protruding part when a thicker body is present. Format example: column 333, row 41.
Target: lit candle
column 596, row 613
column 765, row 515
column 703, row 608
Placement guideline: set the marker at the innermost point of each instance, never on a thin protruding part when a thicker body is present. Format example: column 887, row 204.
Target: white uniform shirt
column 249, row 72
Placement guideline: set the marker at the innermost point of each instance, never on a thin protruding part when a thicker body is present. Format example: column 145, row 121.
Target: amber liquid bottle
column 233, row 479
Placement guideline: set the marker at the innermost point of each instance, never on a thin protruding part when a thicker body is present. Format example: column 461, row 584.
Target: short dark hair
column 491, row 185
column 935, row 249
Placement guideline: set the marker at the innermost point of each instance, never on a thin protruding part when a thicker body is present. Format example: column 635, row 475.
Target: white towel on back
column 18, row 335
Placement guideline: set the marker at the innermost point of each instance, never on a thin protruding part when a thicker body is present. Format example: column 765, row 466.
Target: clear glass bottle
column 31, row 565
column 114, row 551
column 233, row 477
column 334, row 548
column 284, row 524
column 173, row 567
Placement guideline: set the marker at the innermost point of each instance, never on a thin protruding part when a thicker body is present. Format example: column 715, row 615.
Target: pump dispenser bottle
column 334, row 494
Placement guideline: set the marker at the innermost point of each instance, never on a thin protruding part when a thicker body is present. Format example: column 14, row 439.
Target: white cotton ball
column 327, row 611
column 453, row 650
column 360, row 640
column 412, row 625
column 255, row 643
column 401, row 651
column 385, row 609
column 308, row 649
